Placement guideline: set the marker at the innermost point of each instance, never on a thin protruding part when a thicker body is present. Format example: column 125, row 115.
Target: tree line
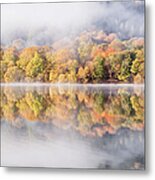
column 91, row 57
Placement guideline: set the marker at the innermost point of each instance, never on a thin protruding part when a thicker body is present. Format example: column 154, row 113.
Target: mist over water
column 69, row 150
column 42, row 24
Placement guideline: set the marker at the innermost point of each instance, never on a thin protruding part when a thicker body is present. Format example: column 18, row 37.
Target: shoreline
column 36, row 84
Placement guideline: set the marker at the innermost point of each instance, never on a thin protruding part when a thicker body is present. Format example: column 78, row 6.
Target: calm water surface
column 73, row 126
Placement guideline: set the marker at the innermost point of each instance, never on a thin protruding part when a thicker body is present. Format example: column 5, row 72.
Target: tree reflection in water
column 104, row 124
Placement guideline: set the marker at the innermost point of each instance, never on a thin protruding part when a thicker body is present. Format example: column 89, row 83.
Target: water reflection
column 72, row 126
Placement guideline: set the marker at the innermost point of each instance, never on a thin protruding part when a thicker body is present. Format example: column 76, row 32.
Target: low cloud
column 39, row 24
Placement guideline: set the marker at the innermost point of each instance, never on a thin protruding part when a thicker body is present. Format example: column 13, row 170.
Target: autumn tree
column 137, row 67
column 10, row 56
column 84, row 74
column 26, row 56
column 3, row 69
column 14, row 74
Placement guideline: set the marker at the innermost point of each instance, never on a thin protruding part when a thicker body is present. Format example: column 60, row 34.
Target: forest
column 90, row 57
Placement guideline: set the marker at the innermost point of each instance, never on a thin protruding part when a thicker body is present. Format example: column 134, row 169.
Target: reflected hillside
column 90, row 111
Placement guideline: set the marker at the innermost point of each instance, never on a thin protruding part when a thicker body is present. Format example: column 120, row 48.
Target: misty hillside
column 97, row 42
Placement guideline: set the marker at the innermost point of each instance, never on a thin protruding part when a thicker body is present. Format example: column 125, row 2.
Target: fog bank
column 40, row 24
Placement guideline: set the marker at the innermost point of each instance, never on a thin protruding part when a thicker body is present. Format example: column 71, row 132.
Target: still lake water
column 77, row 126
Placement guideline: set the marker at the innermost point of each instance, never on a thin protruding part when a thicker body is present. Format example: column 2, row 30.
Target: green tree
column 35, row 66
column 115, row 61
column 125, row 73
column 98, row 72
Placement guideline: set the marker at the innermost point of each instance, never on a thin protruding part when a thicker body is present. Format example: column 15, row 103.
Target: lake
column 72, row 126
